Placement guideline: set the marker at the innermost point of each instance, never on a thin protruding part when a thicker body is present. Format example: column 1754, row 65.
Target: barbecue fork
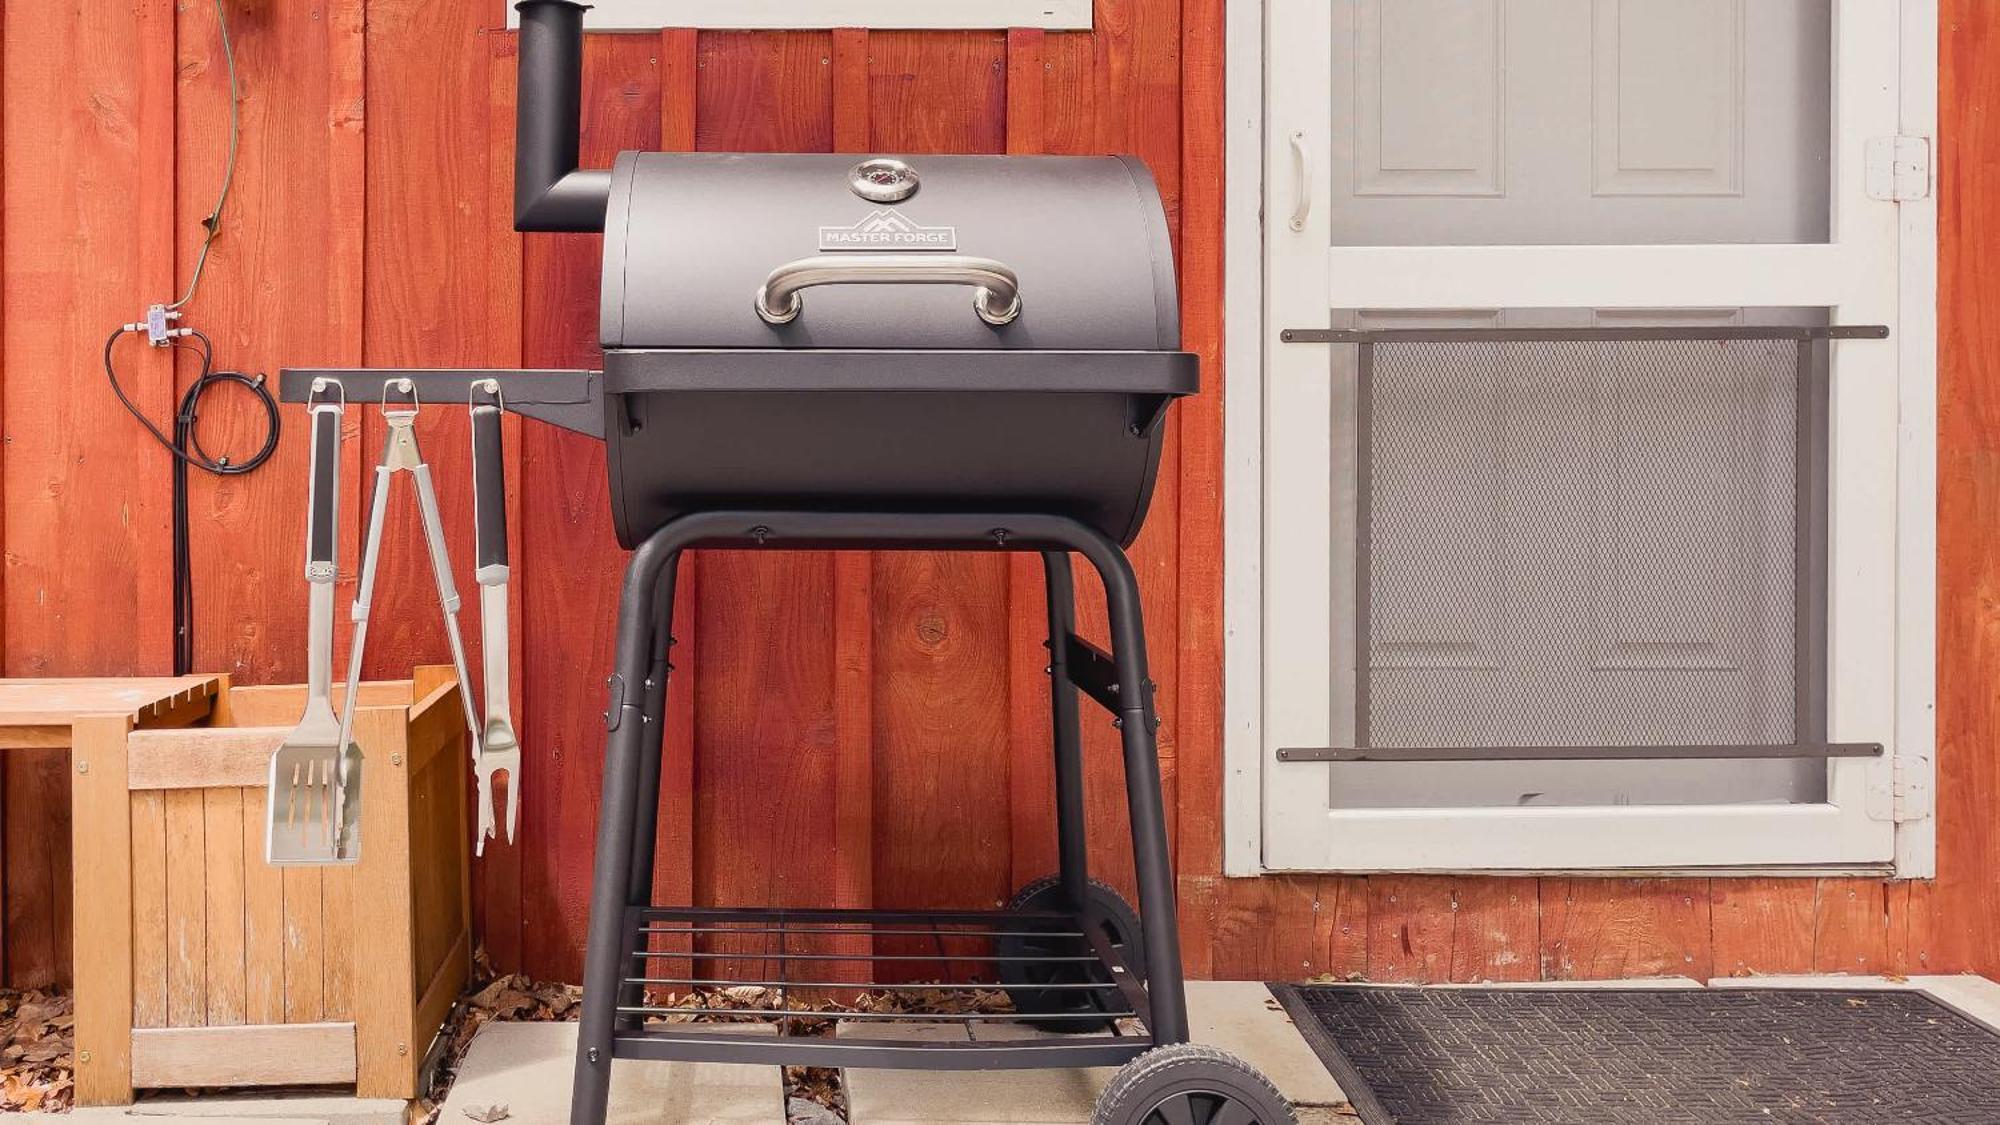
column 315, row 778
column 500, row 750
column 400, row 455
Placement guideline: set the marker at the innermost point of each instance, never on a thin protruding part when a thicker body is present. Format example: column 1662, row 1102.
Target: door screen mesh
column 1588, row 542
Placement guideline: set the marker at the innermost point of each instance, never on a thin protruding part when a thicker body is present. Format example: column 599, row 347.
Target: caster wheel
column 1073, row 1005
column 1188, row 1084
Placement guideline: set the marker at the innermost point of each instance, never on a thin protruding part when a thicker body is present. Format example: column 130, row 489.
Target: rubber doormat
column 1445, row 1056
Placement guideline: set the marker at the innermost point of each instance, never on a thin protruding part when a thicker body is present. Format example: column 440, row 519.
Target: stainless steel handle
column 996, row 294
column 1302, row 182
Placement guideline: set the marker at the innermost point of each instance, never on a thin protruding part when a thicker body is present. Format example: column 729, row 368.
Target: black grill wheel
column 1122, row 929
column 1189, row 1084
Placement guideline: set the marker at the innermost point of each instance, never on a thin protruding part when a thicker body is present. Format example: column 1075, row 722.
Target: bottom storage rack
column 1060, row 972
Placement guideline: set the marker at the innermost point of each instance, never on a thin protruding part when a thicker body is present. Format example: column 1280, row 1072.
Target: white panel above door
column 652, row 15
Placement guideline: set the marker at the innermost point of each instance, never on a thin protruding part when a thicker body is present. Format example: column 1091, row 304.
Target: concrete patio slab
column 526, row 1067
column 1238, row 1016
column 1242, row 1017
column 979, row 1097
column 1977, row 997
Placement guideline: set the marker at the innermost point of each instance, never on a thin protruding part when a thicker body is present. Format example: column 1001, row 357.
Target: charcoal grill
column 875, row 352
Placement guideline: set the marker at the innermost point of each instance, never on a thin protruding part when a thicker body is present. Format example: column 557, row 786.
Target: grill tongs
column 400, row 454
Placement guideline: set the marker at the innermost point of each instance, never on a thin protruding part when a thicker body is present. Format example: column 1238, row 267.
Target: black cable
column 187, row 450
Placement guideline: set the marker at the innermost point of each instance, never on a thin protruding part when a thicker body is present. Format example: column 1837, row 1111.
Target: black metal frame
column 624, row 923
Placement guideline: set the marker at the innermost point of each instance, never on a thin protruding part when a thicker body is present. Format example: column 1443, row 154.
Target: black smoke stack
column 550, row 192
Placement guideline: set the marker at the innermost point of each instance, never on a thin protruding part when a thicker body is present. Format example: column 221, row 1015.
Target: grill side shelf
column 570, row 399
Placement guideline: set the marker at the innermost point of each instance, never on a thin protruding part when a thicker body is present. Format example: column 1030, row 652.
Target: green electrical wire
column 212, row 225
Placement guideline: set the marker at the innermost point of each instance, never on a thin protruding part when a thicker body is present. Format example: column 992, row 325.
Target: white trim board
column 941, row 15
column 1243, row 442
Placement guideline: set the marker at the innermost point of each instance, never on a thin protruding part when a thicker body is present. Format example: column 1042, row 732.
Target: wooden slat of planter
column 305, row 986
column 222, row 811
column 281, row 705
column 307, row 1054
column 149, row 909
column 263, row 919
column 101, row 822
column 384, row 1059
column 187, row 905
column 204, row 758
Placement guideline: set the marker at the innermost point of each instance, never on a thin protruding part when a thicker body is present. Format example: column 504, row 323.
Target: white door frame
column 1251, row 322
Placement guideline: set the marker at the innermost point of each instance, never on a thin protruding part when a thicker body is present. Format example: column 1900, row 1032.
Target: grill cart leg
column 611, row 875
column 646, row 833
column 1071, row 844
column 1165, row 992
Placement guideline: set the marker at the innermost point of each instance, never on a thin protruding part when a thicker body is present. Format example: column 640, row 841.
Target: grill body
column 881, row 394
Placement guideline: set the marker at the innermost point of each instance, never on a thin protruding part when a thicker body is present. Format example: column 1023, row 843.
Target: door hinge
column 1899, row 168
column 1915, row 795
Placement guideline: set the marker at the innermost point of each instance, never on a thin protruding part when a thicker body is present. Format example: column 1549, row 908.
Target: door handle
column 1301, row 182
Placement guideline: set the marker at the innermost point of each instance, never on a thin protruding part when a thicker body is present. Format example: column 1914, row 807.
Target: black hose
column 187, row 451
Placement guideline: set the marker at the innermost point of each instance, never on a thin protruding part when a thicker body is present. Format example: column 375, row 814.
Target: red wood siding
column 848, row 729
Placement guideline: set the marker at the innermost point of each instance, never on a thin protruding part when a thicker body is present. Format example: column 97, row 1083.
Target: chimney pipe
column 550, row 192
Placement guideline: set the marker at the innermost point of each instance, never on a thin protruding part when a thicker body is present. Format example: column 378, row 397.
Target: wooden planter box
column 198, row 964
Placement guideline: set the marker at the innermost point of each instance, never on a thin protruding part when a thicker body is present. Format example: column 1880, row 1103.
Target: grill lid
column 724, row 250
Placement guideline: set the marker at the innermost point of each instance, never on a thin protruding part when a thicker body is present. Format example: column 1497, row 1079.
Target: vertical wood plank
column 102, row 835
column 1026, row 90
column 941, row 827
column 149, row 909
column 1198, row 601
column 385, row 988
column 1342, row 923
column 1762, row 926
column 1031, row 762
column 1851, row 927
column 187, row 909
column 1910, row 927
column 850, row 89
column 679, row 66
column 1605, row 929
column 498, row 913
column 854, row 730
column 1966, row 898
column 339, row 940
column 294, row 211
column 674, row 871
column 263, row 918
column 424, row 288
column 223, row 906
column 37, row 855
column 746, row 75
column 937, row 91
column 304, row 956
column 942, row 718
column 566, row 535
column 1267, row 929
column 769, row 739
column 1410, row 928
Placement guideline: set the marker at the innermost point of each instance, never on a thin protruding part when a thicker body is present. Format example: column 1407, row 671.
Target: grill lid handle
column 996, row 294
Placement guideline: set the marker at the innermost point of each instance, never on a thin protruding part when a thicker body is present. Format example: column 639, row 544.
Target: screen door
column 1580, row 435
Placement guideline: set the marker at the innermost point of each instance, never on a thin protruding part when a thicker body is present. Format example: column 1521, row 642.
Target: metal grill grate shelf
column 810, row 951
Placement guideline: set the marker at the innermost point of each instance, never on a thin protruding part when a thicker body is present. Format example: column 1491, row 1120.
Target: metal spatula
column 311, row 771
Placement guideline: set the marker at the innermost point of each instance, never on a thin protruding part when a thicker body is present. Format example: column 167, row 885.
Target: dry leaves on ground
column 519, row 998
column 37, row 1070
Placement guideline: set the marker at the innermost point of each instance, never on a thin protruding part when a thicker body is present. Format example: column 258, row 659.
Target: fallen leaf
column 487, row 1113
